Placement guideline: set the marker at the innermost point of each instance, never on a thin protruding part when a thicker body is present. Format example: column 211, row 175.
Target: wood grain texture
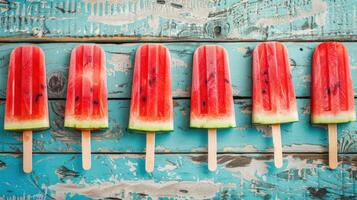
column 300, row 136
column 172, row 20
column 245, row 154
column 120, row 62
column 179, row 176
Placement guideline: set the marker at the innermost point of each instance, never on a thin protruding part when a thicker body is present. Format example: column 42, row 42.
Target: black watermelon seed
column 152, row 81
column 204, row 103
column 77, row 98
column 143, row 99
column 38, row 97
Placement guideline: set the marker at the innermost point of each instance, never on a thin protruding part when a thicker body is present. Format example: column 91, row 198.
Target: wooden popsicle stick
column 278, row 154
column 86, row 150
column 332, row 146
column 150, row 152
column 212, row 149
column 27, row 151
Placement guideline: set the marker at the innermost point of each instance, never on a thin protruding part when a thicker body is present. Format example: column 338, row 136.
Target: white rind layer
column 260, row 118
column 85, row 124
column 142, row 125
column 342, row 117
column 16, row 125
column 209, row 122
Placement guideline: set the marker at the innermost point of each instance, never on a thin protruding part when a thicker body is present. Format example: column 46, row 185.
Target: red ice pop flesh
column 87, row 102
column 151, row 106
column 274, row 99
column 332, row 91
column 211, row 96
column 26, row 99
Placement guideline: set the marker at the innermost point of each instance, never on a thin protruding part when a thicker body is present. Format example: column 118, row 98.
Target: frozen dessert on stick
column 87, row 102
column 151, row 108
column 212, row 103
column 273, row 98
column 26, row 106
column 332, row 95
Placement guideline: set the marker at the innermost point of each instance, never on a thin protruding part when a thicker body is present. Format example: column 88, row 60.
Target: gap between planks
column 152, row 39
column 182, row 153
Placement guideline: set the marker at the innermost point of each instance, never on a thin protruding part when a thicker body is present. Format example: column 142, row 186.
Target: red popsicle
column 26, row 100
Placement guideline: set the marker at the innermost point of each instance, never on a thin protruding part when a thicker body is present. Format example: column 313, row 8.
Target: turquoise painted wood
column 120, row 61
column 182, row 19
column 178, row 176
column 246, row 138
column 245, row 169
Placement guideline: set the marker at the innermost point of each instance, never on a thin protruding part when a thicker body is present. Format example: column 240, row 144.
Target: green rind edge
column 274, row 119
column 86, row 124
column 21, row 126
column 140, row 125
column 212, row 123
column 341, row 118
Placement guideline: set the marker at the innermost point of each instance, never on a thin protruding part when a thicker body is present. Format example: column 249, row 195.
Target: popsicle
column 274, row 99
column 151, row 108
column 212, row 103
column 87, row 103
column 332, row 91
column 26, row 106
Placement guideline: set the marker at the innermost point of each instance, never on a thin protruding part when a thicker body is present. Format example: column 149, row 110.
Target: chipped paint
column 132, row 166
column 176, row 62
column 118, row 63
column 181, row 93
column 318, row 8
column 167, row 167
column 300, row 162
column 199, row 149
column 125, row 189
column 190, row 19
column 153, row 11
column 244, row 167
column 246, row 148
column 161, row 148
column 64, row 173
column 265, row 129
column 304, row 148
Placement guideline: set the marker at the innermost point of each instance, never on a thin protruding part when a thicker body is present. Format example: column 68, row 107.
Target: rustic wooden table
column 246, row 169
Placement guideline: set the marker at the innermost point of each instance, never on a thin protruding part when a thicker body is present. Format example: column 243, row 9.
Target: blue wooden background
column 246, row 169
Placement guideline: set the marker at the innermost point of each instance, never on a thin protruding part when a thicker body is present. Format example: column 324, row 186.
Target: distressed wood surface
column 246, row 169
column 179, row 176
column 172, row 20
column 246, row 138
column 245, row 159
column 120, row 61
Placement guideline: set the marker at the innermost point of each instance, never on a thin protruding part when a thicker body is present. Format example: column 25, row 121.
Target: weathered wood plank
column 120, row 61
column 296, row 137
column 184, row 20
column 122, row 176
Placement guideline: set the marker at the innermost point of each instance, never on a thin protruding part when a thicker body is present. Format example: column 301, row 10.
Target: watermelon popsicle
column 332, row 91
column 274, row 99
column 151, row 108
column 26, row 106
column 87, row 103
column 212, row 103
